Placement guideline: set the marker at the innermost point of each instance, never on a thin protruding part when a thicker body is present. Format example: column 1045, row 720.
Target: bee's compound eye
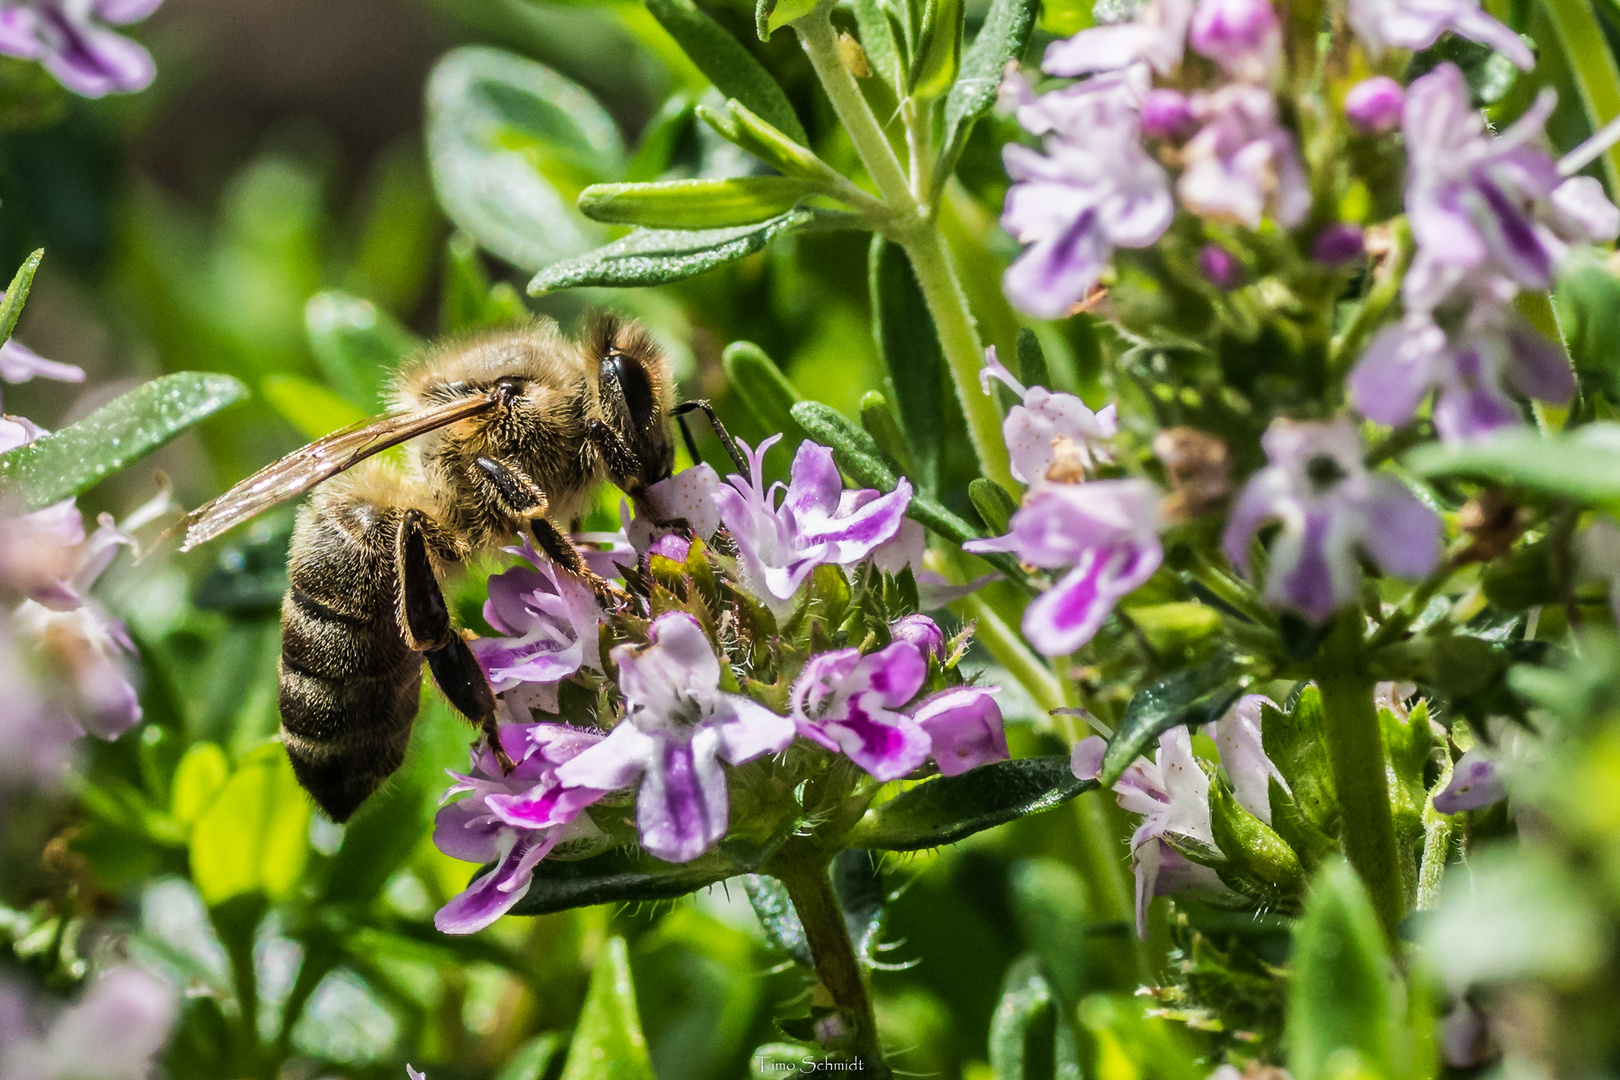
column 509, row 388
column 631, row 378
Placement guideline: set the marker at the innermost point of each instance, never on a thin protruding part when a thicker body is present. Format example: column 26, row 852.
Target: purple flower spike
column 677, row 728
column 1489, row 351
column 1340, row 244
column 1050, row 437
column 513, row 819
column 816, row 522
column 1106, row 530
column 1243, row 164
column 1220, row 266
column 1330, row 508
column 1240, row 35
column 1095, row 189
column 1417, row 24
column 68, row 39
column 1487, row 205
column 1476, row 781
column 1156, row 35
column 1167, row 114
column 1373, row 105
column 964, row 728
column 549, row 625
column 847, row 702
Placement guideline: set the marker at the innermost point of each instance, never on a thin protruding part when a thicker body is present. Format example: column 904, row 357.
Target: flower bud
column 1339, row 244
column 1166, row 114
column 1220, row 266
column 1240, row 35
column 921, row 632
column 1373, row 106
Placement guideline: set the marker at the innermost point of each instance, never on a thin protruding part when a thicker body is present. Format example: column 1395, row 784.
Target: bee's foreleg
column 680, row 412
column 525, row 501
column 623, row 464
column 425, row 621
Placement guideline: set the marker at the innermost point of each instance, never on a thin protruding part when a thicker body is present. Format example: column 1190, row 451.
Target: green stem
column 1008, row 649
column 1356, row 757
column 1386, row 287
column 804, row 874
column 1437, row 829
column 1593, row 68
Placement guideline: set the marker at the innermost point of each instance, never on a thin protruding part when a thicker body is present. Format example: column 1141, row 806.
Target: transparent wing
column 320, row 460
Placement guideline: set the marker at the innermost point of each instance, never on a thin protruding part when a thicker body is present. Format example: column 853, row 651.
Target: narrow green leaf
column 763, row 388
column 1295, row 744
column 1252, row 848
column 357, row 345
column 939, row 50
column 908, row 344
column 1190, row 697
column 661, row 138
column 512, row 144
column 771, row 15
column 1588, row 299
column 1174, row 627
column 468, row 299
column 994, row 505
column 884, row 428
column 1049, row 905
column 1340, row 1008
column 1032, row 369
column 694, row 204
column 1593, row 67
column 608, row 1043
column 533, row 1060
column 17, row 294
column 950, row 808
column 1003, row 38
column 308, row 406
column 877, row 40
column 81, row 455
column 1583, row 465
column 728, row 64
column 659, row 256
column 772, row 906
column 1024, row 1029
column 741, row 126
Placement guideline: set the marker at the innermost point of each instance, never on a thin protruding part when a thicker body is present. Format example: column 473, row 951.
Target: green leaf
column 1588, row 301
column 771, row 15
column 740, row 125
column 1032, row 369
column 81, row 455
column 1583, row 465
column 880, row 423
column 1002, row 39
column 533, row 1060
column 1030, row 1039
column 659, row 256
column 949, row 808
column 1593, row 67
column 1296, row 745
column 1123, row 1031
column 608, row 1043
column 357, row 345
column 1252, row 848
column 512, row 144
column 728, row 64
column 765, row 391
column 1190, row 697
column 468, row 301
column 994, row 505
column 877, row 41
column 661, row 138
column 694, row 204
column 1174, row 627
column 1049, row 905
column 17, row 294
column 774, row 909
column 1407, row 743
column 906, row 340
column 1341, row 1012
column 308, row 406
column 198, row 779
column 939, row 50
column 254, row 835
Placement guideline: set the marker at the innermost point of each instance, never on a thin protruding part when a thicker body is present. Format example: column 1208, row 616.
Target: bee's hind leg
column 425, row 620
column 525, row 500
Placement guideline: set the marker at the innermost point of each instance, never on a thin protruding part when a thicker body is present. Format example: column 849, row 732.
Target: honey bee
column 505, row 433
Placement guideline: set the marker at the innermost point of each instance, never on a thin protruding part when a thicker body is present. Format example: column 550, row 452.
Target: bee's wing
column 320, row 460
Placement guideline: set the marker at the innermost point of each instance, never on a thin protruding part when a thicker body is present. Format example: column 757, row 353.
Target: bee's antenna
column 701, row 405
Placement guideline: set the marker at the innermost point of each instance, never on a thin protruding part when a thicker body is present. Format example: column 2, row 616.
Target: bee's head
column 635, row 389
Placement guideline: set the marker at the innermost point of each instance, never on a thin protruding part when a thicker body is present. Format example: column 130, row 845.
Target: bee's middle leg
column 425, row 620
column 525, row 500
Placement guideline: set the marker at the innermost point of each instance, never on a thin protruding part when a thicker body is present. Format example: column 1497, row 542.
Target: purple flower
column 1050, row 437
column 68, row 39
column 1340, row 244
column 963, row 727
column 413, row 1074
column 1488, row 350
column 1237, row 736
column 1331, row 508
column 1095, row 189
column 1475, row 782
column 1106, row 531
column 921, row 633
column 816, row 522
column 19, row 363
column 1171, row 793
column 513, row 819
column 687, row 497
column 908, row 549
column 1417, row 24
column 1243, row 163
column 677, row 727
column 1155, row 35
column 550, row 624
column 115, row 1031
column 1482, row 205
column 1166, row 114
column 1242, row 36
column 1373, row 106
column 1220, row 266
column 848, row 702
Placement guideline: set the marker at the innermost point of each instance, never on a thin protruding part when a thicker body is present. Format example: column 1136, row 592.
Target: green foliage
column 357, row 346
column 1030, row 1037
column 952, row 808
column 79, row 456
column 660, row 256
column 694, row 204
column 909, row 348
column 1003, row 38
column 1191, row 697
column 17, row 293
column 608, row 1043
column 729, row 66
column 1583, row 465
column 253, row 835
column 765, row 391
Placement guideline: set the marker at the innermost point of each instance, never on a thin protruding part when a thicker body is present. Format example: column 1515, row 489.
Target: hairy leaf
column 909, row 345
column 947, row 809
column 694, row 204
column 1193, row 696
column 728, row 64
column 17, row 294
column 608, row 1043
column 659, row 256
column 1003, row 38
column 1583, row 465
column 764, row 389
